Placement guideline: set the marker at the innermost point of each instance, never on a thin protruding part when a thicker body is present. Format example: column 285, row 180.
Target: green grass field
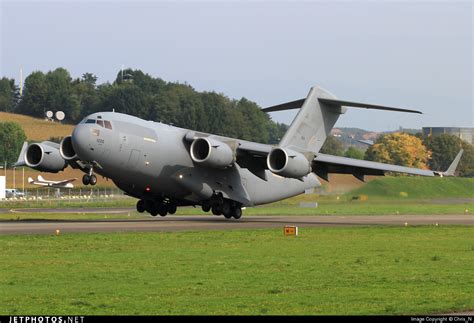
column 376, row 270
column 409, row 187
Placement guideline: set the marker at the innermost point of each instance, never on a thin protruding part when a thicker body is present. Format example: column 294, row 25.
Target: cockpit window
column 108, row 125
column 100, row 123
column 90, row 121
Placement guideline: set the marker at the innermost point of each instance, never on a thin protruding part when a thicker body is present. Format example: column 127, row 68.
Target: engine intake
column 211, row 152
column 44, row 157
column 66, row 149
column 288, row 163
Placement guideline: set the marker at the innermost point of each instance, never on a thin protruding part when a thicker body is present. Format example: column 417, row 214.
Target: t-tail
column 316, row 117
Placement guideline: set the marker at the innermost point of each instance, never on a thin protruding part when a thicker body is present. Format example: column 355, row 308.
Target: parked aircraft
column 13, row 192
column 165, row 167
column 67, row 183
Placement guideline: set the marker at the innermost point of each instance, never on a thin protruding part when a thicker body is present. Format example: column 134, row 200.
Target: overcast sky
column 406, row 54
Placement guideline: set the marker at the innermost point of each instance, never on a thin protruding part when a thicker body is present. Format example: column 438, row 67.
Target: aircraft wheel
column 141, row 206
column 216, row 210
column 93, row 180
column 162, row 211
column 149, row 206
column 172, row 208
column 206, row 208
column 154, row 212
column 227, row 210
column 237, row 213
column 86, row 179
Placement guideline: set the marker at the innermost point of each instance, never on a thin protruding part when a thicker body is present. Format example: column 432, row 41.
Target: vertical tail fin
column 317, row 116
column 312, row 124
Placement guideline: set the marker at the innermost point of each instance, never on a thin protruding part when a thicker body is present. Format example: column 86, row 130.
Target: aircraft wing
column 324, row 164
column 253, row 156
column 64, row 182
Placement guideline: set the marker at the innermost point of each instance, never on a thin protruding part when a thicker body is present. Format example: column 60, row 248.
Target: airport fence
column 41, row 194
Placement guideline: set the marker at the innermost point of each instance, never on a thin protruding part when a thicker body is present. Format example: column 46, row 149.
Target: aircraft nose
column 80, row 141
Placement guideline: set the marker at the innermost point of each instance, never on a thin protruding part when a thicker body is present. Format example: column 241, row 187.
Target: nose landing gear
column 89, row 179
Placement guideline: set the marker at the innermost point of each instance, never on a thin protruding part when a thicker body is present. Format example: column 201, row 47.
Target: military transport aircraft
column 165, row 167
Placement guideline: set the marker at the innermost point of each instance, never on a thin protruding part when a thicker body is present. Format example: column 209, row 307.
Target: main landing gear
column 89, row 179
column 218, row 205
column 156, row 207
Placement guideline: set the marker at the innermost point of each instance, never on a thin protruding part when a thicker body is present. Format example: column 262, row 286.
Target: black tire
column 86, row 179
column 149, row 206
column 162, row 211
column 216, row 210
column 206, row 208
column 93, row 180
column 172, row 208
column 154, row 212
column 237, row 213
column 140, row 206
column 227, row 210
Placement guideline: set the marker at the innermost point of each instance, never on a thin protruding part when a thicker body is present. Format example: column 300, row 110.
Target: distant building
column 466, row 134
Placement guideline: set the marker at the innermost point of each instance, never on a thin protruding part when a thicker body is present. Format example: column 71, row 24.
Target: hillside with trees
column 136, row 93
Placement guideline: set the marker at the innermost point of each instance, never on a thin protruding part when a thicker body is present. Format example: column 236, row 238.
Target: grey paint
column 150, row 160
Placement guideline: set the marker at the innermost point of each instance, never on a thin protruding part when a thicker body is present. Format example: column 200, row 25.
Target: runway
column 199, row 223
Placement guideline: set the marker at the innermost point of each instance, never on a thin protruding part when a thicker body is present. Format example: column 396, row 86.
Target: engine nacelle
column 211, row 152
column 288, row 163
column 44, row 157
column 66, row 149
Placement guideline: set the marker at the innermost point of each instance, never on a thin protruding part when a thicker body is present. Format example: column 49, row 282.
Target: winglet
column 21, row 157
column 452, row 168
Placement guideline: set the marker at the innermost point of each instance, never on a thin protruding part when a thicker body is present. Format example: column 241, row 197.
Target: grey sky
column 413, row 55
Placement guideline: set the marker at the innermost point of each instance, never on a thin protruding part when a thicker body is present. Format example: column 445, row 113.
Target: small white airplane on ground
column 57, row 184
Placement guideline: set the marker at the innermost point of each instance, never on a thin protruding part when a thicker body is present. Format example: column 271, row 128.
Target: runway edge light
column 290, row 230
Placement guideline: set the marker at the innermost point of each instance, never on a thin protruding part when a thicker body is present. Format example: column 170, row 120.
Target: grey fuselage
column 149, row 158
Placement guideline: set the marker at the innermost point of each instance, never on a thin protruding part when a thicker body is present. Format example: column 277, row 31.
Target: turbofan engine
column 288, row 163
column 45, row 157
column 210, row 152
column 66, row 149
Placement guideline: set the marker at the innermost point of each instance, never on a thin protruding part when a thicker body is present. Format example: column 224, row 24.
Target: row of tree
column 139, row 94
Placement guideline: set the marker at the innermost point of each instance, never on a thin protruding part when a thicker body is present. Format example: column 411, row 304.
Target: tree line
column 136, row 93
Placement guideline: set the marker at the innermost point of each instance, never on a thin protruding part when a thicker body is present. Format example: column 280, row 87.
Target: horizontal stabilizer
column 340, row 103
column 285, row 106
column 337, row 103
